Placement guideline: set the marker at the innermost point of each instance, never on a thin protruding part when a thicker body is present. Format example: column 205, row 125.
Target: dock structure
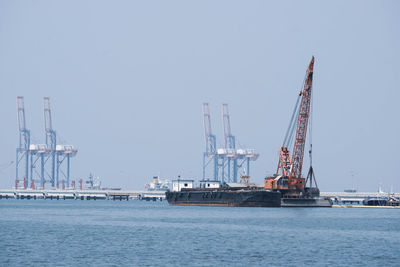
column 81, row 194
column 355, row 198
column 338, row 198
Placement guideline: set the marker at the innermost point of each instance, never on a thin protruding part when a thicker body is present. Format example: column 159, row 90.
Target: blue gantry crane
column 41, row 162
column 228, row 161
column 59, row 154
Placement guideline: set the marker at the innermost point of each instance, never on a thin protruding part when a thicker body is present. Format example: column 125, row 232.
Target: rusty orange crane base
column 288, row 174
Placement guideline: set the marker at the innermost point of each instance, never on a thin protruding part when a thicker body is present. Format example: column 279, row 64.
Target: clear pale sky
column 127, row 79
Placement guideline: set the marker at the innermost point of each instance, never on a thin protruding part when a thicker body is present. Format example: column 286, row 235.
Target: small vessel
column 158, row 184
column 93, row 183
column 350, row 191
column 383, row 199
column 155, row 190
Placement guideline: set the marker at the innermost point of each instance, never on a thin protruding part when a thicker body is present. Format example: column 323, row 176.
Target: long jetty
column 57, row 194
column 356, row 197
column 81, row 194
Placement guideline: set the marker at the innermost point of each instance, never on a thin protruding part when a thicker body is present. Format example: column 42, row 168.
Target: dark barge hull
column 232, row 198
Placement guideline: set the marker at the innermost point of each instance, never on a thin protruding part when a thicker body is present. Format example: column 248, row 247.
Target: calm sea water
column 133, row 233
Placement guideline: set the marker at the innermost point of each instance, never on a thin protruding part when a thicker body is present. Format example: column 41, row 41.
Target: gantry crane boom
column 48, row 123
column 211, row 143
column 51, row 138
column 209, row 137
column 230, row 155
column 229, row 138
column 24, row 140
column 24, row 137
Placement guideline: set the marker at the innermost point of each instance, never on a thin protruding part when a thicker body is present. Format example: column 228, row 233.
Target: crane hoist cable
column 293, row 120
column 4, row 166
column 290, row 129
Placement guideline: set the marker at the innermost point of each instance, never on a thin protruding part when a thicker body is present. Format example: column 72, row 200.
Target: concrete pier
column 56, row 194
column 338, row 198
column 355, row 198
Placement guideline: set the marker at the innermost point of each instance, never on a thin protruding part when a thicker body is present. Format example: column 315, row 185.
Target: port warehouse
column 337, row 197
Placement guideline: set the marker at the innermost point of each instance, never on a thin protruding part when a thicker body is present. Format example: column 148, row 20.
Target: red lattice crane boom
column 288, row 174
column 302, row 123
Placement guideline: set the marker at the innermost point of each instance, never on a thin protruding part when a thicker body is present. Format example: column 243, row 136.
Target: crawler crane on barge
column 288, row 178
column 286, row 188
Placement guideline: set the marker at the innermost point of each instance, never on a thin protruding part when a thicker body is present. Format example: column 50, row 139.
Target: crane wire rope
column 310, row 127
column 310, row 122
column 294, row 128
column 288, row 141
column 5, row 166
column 289, row 131
column 311, row 174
